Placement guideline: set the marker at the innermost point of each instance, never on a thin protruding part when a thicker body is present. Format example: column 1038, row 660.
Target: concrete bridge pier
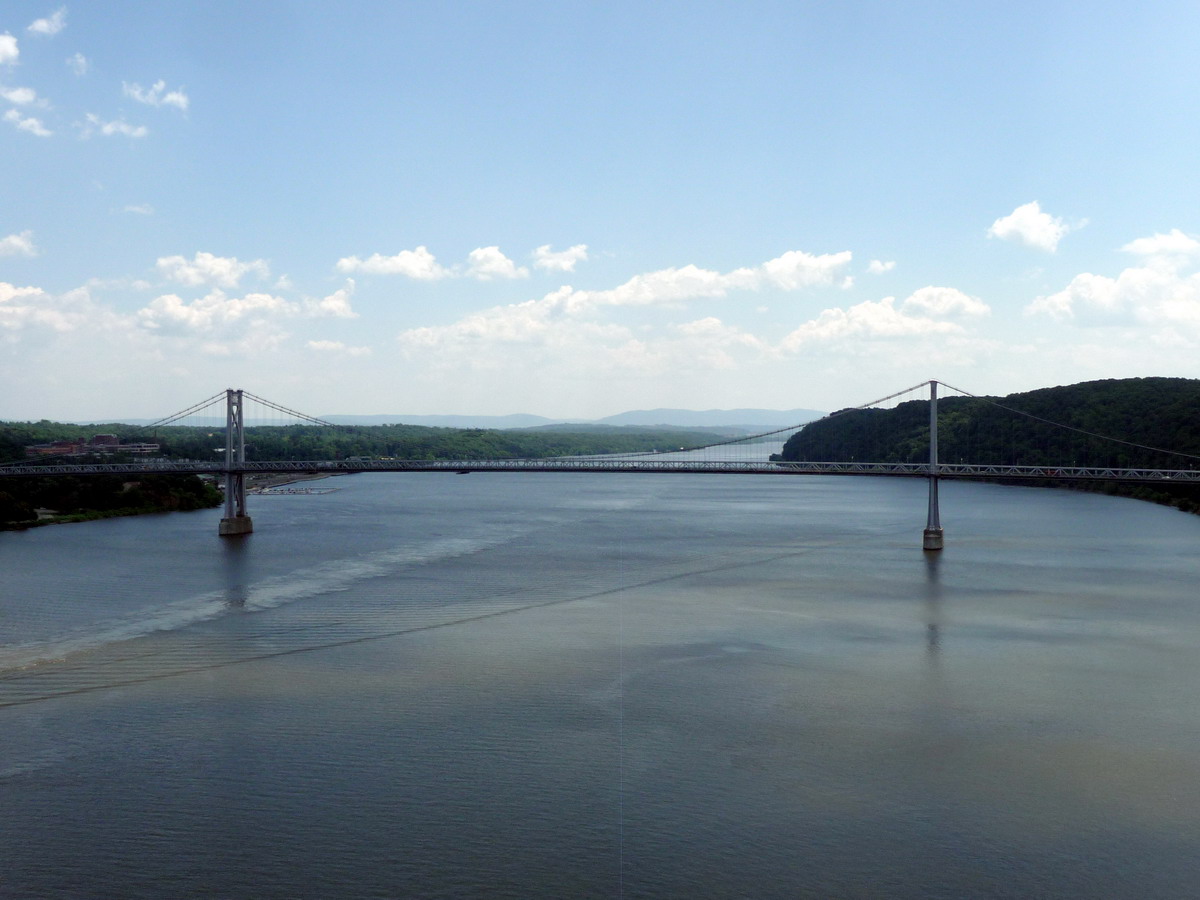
column 933, row 539
column 236, row 521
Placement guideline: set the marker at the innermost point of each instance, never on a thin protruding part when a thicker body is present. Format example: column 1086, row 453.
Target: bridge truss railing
column 563, row 464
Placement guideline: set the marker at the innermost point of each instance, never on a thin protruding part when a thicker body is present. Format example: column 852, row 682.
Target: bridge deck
column 598, row 464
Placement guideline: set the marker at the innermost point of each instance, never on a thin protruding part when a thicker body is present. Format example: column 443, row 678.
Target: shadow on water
column 235, row 570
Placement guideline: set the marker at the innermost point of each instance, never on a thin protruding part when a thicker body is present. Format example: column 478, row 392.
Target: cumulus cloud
column 419, row 264
column 27, row 123
column 339, row 348
column 488, row 263
column 483, row 264
column 560, row 261
column 561, row 312
column 667, row 287
column 878, row 266
column 156, row 95
column 944, row 301
column 336, row 304
column 1170, row 249
column 10, row 292
column 566, row 327
column 18, row 245
column 1030, row 226
column 548, row 340
column 96, row 125
column 170, row 312
column 21, row 96
column 205, row 268
column 78, row 63
column 9, row 51
column 24, row 308
column 1148, row 294
column 1163, row 292
column 870, row 319
column 52, row 24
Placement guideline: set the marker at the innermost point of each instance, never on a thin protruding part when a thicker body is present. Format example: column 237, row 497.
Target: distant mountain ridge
column 741, row 420
column 737, row 419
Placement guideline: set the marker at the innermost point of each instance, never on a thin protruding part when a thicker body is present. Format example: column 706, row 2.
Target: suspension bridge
column 717, row 457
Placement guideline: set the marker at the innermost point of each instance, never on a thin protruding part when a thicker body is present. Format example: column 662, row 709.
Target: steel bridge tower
column 235, row 521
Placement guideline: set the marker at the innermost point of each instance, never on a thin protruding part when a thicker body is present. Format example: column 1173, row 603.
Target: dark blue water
column 567, row 685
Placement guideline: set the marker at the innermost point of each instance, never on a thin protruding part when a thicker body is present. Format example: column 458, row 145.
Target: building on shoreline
column 99, row 444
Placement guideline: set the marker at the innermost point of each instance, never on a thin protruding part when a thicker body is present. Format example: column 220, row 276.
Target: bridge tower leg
column 235, row 521
column 933, row 526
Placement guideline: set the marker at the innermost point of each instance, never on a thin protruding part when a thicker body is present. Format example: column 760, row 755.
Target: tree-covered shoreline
column 301, row 442
column 100, row 496
column 1142, row 413
column 86, row 498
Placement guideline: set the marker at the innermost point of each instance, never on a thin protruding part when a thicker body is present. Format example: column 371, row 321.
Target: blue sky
column 575, row 209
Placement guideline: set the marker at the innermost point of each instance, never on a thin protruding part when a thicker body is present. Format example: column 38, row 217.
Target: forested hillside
column 1160, row 413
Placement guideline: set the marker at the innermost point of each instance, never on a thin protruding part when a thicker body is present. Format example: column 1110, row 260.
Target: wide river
column 558, row 685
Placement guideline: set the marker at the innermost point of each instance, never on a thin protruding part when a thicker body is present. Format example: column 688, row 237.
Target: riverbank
column 34, row 502
column 257, row 483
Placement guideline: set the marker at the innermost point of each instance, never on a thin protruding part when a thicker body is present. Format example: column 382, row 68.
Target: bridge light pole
column 235, row 521
column 933, row 526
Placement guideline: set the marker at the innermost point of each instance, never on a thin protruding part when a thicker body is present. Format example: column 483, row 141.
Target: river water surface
column 565, row 685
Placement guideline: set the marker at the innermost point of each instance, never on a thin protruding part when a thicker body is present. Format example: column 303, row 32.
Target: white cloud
column 338, row 347
column 543, row 319
column 487, row 263
column 560, row 261
column 796, row 269
column 27, row 123
column 667, row 287
column 261, row 312
column 156, row 95
column 205, row 268
column 336, row 304
column 419, row 264
column 78, row 63
column 21, row 96
column 1163, row 293
column 870, row 319
column 52, row 24
column 1172, row 248
column 1032, row 227
column 943, row 301
column 170, row 312
column 483, row 264
column 10, row 292
column 9, row 51
column 18, row 245
column 29, row 307
column 1152, row 295
column 878, row 266
column 141, row 209
column 95, row 125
